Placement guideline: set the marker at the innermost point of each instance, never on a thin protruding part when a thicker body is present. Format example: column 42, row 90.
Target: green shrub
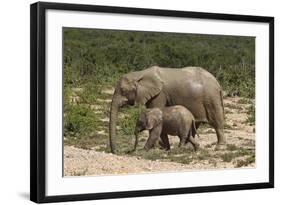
column 79, row 121
column 244, row 101
column 228, row 157
column 251, row 118
column 231, row 147
column 245, row 162
column 128, row 120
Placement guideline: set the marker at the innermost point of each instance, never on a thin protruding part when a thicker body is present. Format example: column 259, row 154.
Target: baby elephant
column 174, row 120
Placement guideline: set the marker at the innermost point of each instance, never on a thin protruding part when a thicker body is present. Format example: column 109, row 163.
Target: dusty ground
column 240, row 151
column 90, row 162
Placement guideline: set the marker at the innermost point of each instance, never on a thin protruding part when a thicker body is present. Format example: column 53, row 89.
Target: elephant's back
column 176, row 118
column 205, row 75
column 195, row 80
column 192, row 74
column 176, row 111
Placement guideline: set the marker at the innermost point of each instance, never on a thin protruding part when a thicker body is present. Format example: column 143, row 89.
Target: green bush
column 251, row 114
column 237, row 80
column 79, row 121
column 128, row 121
column 250, row 159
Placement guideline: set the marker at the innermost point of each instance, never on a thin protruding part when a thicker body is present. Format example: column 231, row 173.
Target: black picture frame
column 38, row 101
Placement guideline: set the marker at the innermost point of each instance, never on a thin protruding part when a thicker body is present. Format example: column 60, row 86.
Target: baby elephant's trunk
column 136, row 142
column 136, row 138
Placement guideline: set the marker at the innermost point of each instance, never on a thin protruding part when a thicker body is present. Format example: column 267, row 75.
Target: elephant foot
column 196, row 147
column 221, row 138
column 131, row 151
column 164, row 146
column 220, row 147
column 146, row 148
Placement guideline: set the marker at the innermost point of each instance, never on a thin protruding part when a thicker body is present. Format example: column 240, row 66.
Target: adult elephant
column 192, row 87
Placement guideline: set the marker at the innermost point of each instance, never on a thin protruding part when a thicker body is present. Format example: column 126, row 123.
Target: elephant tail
column 222, row 104
column 194, row 129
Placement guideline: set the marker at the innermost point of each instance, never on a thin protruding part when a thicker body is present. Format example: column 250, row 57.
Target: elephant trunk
column 115, row 104
column 112, row 121
column 136, row 138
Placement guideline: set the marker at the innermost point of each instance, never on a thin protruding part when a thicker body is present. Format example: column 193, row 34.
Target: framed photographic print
column 129, row 102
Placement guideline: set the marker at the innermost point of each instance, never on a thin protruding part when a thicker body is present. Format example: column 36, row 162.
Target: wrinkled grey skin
column 174, row 120
column 156, row 87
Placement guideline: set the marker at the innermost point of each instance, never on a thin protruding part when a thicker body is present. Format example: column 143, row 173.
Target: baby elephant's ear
column 154, row 117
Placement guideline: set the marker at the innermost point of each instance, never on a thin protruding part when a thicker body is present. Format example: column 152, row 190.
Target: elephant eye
column 141, row 124
column 129, row 94
column 124, row 93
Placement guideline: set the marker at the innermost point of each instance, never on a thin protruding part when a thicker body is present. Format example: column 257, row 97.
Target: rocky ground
column 239, row 152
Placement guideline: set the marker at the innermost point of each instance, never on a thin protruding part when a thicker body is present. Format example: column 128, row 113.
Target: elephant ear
column 148, row 85
column 154, row 118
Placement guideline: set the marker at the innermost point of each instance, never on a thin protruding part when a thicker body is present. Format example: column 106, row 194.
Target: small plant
column 244, row 101
column 208, row 146
column 238, row 152
column 213, row 161
column 79, row 121
column 249, row 143
column 128, row 121
column 242, row 163
column 80, row 173
column 227, row 157
column 227, row 126
column 233, row 106
column 228, row 111
column 181, row 159
column 251, row 114
column 204, row 154
column 153, row 154
column 231, row 147
column 242, row 152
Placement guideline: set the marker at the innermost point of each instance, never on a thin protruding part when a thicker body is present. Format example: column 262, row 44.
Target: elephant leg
column 182, row 142
column 194, row 143
column 161, row 143
column 220, row 136
column 154, row 135
column 197, row 124
column 150, row 142
column 187, row 139
column 164, row 141
column 215, row 117
column 184, row 137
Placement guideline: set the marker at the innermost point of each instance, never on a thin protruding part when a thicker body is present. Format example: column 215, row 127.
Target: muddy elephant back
column 210, row 76
column 203, row 74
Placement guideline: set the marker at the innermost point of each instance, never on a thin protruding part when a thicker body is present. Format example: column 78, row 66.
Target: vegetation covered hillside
column 101, row 56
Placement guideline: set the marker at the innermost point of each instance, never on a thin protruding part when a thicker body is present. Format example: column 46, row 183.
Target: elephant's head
column 148, row 120
column 134, row 88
